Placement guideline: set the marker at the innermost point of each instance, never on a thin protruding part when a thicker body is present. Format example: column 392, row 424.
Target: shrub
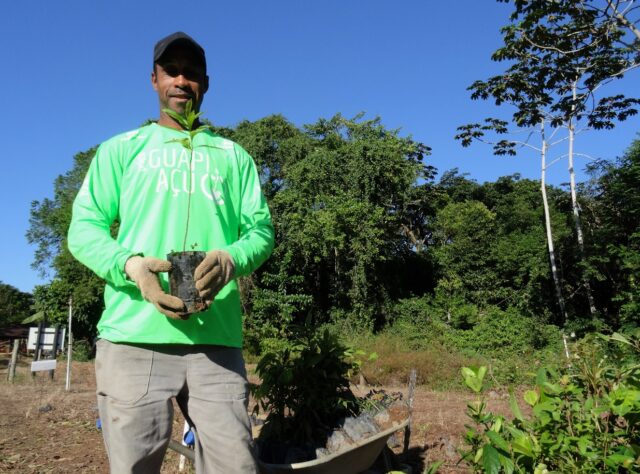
column 585, row 418
column 305, row 388
column 506, row 340
column 82, row 350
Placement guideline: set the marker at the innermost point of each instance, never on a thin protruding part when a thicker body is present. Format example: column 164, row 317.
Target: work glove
column 213, row 273
column 144, row 272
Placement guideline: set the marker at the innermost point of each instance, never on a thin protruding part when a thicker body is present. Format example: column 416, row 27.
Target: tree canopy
column 15, row 305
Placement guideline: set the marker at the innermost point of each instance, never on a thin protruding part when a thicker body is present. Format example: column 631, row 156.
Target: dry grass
column 436, row 367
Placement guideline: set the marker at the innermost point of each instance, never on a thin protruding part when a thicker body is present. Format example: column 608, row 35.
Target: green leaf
column 617, row 460
column 583, row 444
column 551, row 388
column 473, row 377
column 507, row 464
column 531, row 397
column 497, row 424
column 185, row 142
column 497, row 440
column 433, row 468
column 620, row 338
column 177, row 117
column 523, row 445
column 479, row 454
column 541, row 376
column 202, row 128
column 515, row 408
column 624, row 400
column 490, row 459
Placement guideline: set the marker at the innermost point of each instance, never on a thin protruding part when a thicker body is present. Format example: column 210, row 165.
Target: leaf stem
column 189, row 192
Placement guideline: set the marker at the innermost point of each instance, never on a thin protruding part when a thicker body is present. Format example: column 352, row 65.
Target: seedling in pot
column 183, row 264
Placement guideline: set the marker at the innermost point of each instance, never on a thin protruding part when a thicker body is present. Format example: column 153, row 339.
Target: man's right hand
column 144, row 272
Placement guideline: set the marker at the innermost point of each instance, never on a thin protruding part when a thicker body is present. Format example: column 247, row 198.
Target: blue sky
column 77, row 72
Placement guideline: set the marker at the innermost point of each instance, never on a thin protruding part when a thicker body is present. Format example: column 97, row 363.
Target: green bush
column 305, row 387
column 507, row 334
column 585, row 419
column 505, row 340
column 82, row 350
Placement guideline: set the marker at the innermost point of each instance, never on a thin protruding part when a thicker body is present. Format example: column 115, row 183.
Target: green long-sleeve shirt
column 141, row 179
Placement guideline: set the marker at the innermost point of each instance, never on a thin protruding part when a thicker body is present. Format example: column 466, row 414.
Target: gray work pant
column 135, row 385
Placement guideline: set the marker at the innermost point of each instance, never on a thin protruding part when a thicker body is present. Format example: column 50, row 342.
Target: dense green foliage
column 305, row 388
column 15, row 305
column 614, row 248
column 585, row 417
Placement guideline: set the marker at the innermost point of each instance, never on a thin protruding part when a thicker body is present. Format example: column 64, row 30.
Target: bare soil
column 45, row 429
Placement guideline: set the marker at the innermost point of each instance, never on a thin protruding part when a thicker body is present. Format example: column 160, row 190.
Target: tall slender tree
column 561, row 53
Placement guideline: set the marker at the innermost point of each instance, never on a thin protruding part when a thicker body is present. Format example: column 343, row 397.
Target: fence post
column 54, row 347
column 39, row 342
column 14, row 360
column 67, row 385
column 407, row 429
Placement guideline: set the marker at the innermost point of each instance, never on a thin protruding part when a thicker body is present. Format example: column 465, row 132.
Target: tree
column 615, row 14
column 614, row 220
column 585, row 44
column 464, row 232
column 15, row 305
column 561, row 53
column 471, row 132
column 346, row 197
column 489, row 245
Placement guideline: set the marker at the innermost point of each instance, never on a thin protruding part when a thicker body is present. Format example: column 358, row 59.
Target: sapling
column 187, row 121
column 184, row 263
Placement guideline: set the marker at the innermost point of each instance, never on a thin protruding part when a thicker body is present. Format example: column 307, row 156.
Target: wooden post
column 54, row 347
column 40, row 339
column 67, row 386
column 39, row 342
column 407, row 429
column 14, row 360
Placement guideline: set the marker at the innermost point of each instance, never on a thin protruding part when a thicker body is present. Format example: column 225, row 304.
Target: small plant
column 184, row 263
column 187, row 121
column 305, row 389
column 585, row 419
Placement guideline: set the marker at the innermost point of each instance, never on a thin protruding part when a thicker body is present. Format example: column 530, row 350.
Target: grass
column 436, row 367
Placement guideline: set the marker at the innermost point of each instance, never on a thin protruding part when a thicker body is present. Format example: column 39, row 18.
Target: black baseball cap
column 162, row 45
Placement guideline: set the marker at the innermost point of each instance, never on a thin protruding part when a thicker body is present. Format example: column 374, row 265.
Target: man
column 149, row 351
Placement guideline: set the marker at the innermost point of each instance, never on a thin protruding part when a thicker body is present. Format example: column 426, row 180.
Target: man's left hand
column 214, row 272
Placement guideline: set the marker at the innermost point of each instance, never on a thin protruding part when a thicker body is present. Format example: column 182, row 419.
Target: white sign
column 47, row 339
column 48, row 364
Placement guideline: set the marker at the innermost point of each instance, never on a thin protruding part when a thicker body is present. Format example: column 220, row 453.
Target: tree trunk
column 576, row 208
column 547, row 222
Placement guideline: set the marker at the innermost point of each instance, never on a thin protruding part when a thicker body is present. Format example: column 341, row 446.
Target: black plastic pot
column 181, row 284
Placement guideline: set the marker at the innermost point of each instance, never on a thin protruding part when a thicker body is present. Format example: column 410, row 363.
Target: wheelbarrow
column 353, row 459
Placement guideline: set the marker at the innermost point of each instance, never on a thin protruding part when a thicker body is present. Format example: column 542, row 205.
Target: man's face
column 178, row 77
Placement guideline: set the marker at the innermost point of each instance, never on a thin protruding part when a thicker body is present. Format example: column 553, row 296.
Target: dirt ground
column 45, row 429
